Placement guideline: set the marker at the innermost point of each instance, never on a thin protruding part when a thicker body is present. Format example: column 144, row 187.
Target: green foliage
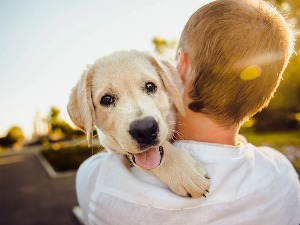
column 276, row 119
column 14, row 135
column 54, row 114
column 163, row 46
column 59, row 129
column 68, row 158
column 277, row 140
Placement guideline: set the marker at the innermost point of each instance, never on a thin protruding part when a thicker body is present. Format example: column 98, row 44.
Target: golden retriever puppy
column 130, row 97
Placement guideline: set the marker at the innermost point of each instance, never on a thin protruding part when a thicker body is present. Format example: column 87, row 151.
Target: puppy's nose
column 144, row 131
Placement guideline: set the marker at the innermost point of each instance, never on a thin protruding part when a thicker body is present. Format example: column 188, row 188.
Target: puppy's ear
column 80, row 106
column 169, row 75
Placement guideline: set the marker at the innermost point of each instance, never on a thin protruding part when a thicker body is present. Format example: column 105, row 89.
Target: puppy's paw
column 191, row 179
column 182, row 173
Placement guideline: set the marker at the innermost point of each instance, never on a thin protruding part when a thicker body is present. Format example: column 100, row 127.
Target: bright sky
column 45, row 45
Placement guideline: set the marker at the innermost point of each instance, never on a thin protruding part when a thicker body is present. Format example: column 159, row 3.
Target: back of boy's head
column 238, row 50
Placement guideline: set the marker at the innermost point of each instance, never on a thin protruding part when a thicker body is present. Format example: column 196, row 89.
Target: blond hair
column 226, row 38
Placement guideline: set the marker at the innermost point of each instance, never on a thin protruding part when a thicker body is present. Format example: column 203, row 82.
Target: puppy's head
column 127, row 96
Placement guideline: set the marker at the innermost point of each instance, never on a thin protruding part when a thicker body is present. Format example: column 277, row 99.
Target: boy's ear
column 168, row 75
column 80, row 106
column 182, row 64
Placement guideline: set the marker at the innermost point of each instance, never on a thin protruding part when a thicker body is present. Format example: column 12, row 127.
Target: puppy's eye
column 107, row 100
column 150, row 87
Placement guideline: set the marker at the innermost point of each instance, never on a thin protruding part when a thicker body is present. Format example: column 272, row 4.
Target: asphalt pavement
column 28, row 196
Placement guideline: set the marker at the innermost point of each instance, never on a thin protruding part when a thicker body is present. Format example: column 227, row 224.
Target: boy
column 231, row 57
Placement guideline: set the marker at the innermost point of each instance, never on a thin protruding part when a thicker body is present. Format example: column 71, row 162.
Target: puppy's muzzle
column 144, row 132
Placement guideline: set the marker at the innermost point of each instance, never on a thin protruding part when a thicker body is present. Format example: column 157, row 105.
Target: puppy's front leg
column 182, row 173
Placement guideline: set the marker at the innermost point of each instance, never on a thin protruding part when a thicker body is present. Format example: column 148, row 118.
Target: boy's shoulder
column 267, row 155
column 275, row 159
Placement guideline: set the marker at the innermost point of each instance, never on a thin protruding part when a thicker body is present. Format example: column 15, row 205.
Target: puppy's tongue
column 149, row 159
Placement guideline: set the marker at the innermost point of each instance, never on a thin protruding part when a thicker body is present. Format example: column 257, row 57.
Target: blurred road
column 28, row 196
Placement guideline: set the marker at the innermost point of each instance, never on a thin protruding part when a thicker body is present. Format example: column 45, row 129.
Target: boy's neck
column 199, row 127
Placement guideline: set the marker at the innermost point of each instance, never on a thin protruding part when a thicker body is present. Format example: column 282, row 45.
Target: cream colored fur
column 123, row 75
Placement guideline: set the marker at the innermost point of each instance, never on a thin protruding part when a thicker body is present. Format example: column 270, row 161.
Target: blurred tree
column 164, row 47
column 54, row 114
column 59, row 129
column 14, row 135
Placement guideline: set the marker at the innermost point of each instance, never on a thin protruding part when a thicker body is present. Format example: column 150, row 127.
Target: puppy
column 130, row 98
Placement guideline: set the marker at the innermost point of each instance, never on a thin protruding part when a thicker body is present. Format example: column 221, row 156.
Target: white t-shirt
column 249, row 186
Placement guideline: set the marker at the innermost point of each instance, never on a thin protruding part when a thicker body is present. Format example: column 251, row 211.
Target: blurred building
column 41, row 126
